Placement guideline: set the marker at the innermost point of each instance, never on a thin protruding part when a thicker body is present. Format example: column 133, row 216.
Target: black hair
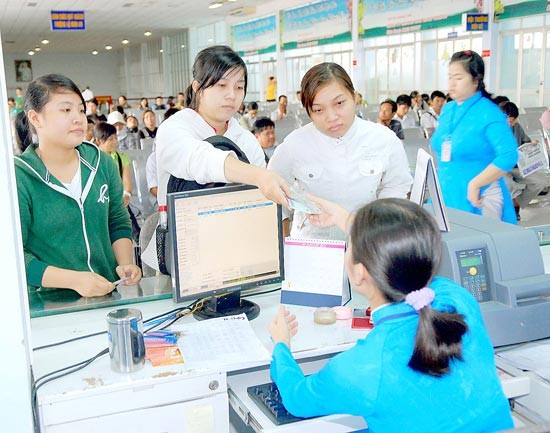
column 88, row 120
column 103, row 130
column 169, row 112
column 263, row 123
column 499, row 99
column 473, row 64
column 281, row 97
column 252, row 106
column 403, row 100
column 23, row 135
column 94, row 101
column 437, row 94
column 414, row 94
column 399, row 244
column 211, row 64
column 391, row 102
column 11, row 99
column 510, row 109
column 39, row 92
column 425, row 97
column 319, row 76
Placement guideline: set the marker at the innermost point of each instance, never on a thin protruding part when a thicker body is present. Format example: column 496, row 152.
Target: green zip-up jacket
column 59, row 230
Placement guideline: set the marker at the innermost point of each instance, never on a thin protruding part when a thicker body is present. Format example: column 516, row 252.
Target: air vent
column 245, row 10
column 32, row 4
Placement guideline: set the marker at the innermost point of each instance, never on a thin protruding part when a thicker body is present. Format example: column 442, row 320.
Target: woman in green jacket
column 76, row 231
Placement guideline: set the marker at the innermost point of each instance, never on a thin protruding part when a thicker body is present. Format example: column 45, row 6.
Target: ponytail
column 484, row 92
column 23, row 131
column 399, row 244
column 190, row 97
column 438, row 341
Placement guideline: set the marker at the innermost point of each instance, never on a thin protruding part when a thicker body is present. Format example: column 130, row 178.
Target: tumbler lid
column 123, row 315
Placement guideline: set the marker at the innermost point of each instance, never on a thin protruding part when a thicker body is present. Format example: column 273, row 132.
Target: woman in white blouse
column 339, row 156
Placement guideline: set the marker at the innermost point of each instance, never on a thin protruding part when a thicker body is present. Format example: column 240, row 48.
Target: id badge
column 446, row 150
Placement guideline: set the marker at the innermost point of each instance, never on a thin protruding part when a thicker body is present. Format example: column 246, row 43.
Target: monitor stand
column 228, row 304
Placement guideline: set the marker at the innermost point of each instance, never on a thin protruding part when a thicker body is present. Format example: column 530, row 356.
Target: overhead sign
column 68, row 20
column 476, row 22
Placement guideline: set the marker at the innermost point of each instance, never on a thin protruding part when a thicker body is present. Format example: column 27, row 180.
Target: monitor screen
column 223, row 240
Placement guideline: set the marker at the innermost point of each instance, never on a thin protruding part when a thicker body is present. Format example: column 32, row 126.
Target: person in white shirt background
column 430, row 119
column 281, row 111
column 339, row 157
column 402, row 114
column 218, row 89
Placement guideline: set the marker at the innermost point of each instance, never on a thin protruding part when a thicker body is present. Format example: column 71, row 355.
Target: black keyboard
column 267, row 397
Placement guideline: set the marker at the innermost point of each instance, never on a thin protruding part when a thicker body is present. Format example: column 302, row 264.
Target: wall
column 99, row 72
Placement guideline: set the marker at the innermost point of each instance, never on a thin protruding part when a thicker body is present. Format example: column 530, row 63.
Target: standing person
column 150, row 121
column 88, row 246
column 281, row 112
column 474, row 145
column 215, row 94
column 417, row 370
column 19, row 100
column 386, row 117
column 339, row 156
column 271, row 90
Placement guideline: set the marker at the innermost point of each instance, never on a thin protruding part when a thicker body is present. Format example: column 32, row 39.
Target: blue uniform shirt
column 479, row 136
column 373, row 379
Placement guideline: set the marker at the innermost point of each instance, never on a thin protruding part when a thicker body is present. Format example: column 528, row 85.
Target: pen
column 117, row 282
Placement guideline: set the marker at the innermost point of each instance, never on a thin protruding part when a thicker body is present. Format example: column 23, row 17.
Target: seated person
column 408, row 120
column 428, row 364
column 247, row 120
column 281, row 111
column 430, row 119
column 264, row 131
column 123, row 102
column 88, row 244
column 92, row 111
column 150, row 122
column 132, row 124
column 151, row 172
column 388, row 108
column 117, row 120
column 522, row 189
column 159, row 105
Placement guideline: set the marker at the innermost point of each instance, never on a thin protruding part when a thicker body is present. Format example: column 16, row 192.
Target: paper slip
column 533, row 358
column 299, row 202
column 220, row 343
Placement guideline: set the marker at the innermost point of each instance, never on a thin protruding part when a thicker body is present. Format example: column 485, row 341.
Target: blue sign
column 68, row 20
column 476, row 22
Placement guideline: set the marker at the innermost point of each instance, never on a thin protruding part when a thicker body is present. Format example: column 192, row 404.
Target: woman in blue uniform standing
column 428, row 364
column 473, row 144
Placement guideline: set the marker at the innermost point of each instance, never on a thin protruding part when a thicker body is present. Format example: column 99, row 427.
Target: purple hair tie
column 420, row 298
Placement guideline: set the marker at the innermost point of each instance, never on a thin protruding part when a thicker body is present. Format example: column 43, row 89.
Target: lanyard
column 395, row 316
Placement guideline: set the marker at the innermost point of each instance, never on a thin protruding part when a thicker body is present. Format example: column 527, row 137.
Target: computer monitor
column 224, row 240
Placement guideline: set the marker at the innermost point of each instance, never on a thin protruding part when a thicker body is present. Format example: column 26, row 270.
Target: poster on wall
column 386, row 17
column 505, row 9
column 255, row 37
column 320, row 23
column 23, row 71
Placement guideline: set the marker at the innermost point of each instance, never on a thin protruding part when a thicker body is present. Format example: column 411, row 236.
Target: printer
column 501, row 265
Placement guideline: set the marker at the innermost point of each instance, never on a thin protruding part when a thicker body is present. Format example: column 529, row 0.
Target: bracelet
column 127, row 194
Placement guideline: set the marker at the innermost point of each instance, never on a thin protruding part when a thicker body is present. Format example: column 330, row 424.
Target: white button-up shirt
column 181, row 151
column 367, row 163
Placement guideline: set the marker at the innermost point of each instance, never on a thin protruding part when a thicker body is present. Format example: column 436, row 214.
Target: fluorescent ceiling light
column 95, row 52
column 125, row 41
column 147, row 33
column 215, row 5
column 31, row 53
column 45, row 41
column 108, row 47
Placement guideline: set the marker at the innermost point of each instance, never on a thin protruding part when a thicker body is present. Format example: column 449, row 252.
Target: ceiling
column 24, row 23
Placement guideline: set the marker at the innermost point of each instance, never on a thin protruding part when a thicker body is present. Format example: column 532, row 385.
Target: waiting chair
column 413, row 133
column 141, row 196
column 284, row 127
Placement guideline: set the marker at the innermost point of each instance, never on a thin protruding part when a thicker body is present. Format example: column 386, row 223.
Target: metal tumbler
column 126, row 345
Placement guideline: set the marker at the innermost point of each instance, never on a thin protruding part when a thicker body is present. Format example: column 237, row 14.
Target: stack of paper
column 534, row 358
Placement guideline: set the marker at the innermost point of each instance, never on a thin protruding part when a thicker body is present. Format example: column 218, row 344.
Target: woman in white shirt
column 339, row 156
column 218, row 89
